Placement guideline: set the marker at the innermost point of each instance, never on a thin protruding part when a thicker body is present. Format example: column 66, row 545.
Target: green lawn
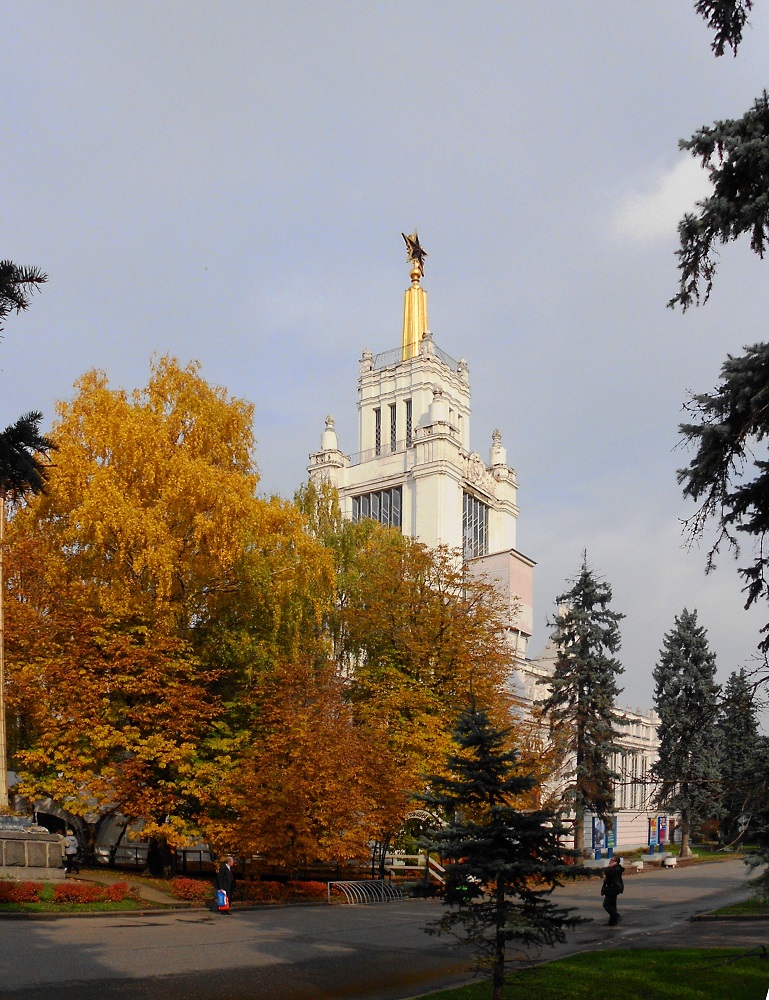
column 686, row 974
column 750, row 907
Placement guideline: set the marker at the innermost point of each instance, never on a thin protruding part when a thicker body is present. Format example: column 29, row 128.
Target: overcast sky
column 228, row 182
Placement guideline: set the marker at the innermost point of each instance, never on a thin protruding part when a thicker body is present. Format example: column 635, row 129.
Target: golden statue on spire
column 415, row 253
column 415, row 302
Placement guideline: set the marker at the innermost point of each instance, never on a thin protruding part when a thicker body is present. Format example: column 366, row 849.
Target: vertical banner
column 599, row 834
column 662, row 829
column 611, row 834
column 653, row 835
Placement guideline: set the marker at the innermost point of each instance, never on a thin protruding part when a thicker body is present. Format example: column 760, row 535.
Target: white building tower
column 414, row 468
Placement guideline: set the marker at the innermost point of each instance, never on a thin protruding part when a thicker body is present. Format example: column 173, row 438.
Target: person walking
column 612, row 887
column 71, row 851
column 225, row 879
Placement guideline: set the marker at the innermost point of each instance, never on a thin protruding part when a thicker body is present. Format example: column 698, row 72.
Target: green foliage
column 736, row 155
column 21, row 468
column 16, row 286
column 744, row 758
column 686, row 699
column 727, row 18
column 732, row 421
column 506, row 861
column 583, row 690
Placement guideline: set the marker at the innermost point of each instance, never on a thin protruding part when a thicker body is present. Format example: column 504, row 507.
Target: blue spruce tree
column 686, row 700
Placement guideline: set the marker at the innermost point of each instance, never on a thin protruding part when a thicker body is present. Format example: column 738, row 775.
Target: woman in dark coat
column 611, row 888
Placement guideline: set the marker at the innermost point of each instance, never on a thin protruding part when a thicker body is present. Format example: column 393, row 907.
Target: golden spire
column 415, row 300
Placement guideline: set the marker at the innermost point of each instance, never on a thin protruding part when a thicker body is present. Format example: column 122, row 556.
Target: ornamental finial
column 416, row 255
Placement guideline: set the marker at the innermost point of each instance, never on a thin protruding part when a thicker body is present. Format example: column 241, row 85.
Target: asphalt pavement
column 374, row 952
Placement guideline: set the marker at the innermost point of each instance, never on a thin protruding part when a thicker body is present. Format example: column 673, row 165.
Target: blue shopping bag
column 222, row 900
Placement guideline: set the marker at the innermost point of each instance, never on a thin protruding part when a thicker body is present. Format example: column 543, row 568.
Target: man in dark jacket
column 611, row 888
column 225, row 877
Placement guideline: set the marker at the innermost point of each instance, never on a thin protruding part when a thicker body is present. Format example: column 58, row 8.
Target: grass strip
column 685, row 974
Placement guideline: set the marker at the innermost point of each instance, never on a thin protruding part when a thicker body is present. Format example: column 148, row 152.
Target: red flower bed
column 78, row 892
column 117, row 892
column 20, row 892
column 192, row 889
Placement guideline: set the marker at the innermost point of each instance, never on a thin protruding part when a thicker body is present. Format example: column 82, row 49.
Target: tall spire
column 415, row 299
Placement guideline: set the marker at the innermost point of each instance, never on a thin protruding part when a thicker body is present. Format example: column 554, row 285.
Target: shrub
column 78, row 892
column 191, row 889
column 117, row 892
column 307, row 890
column 20, row 892
column 260, row 892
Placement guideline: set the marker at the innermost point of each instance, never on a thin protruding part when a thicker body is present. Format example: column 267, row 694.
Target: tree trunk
column 685, row 851
column 498, row 982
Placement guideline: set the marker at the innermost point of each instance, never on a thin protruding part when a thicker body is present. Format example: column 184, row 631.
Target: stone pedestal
column 30, row 852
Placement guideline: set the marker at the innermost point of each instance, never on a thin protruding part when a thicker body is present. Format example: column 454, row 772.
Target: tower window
column 409, row 431
column 475, row 527
column 377, row 431
column 381, row 505
column 393, row 429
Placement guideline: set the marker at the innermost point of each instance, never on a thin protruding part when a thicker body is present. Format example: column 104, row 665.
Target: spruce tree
column 582, row 693
column 686, row 700
column 507, row 861
column 743, row 764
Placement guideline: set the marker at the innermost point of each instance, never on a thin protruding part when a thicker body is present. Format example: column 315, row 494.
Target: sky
column 228, row 182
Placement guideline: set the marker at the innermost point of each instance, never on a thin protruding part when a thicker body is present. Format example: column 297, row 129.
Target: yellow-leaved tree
column 149, row 590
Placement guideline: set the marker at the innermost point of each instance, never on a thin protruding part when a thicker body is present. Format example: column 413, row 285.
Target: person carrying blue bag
column 225, row 884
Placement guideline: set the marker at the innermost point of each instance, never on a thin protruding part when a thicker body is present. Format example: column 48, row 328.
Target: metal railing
column 384, row 450
column 369, row 891
column 399, row 864
column 395, row 356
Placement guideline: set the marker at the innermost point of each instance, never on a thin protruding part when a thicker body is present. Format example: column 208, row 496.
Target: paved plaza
column 376, row 952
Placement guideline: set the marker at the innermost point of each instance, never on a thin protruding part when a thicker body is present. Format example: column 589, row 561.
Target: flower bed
column 87, row 892
column 20, row 892
column 191, row 889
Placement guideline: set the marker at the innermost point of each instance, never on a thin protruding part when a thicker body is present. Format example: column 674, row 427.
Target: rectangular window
column 377, row 431
column 475, row 527
column 381, row 505
column 408, row 423
column 393, row 429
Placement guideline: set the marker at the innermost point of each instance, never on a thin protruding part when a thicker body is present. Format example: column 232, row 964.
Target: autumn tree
column 581, row 695
column 416, row 633
column 23, row 472
column 156, row 594
column 297, row 787
column 506, row 859
column 686, row 700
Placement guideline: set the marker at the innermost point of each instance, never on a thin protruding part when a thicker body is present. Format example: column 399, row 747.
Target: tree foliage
column 203, row 660
column 17, row 283
column 733, row 424
column 506, row 860
column 726, row 18
column 736, row 155
column 744, row 758
column 686, row 700
column 582, row 693
column 416, row 633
